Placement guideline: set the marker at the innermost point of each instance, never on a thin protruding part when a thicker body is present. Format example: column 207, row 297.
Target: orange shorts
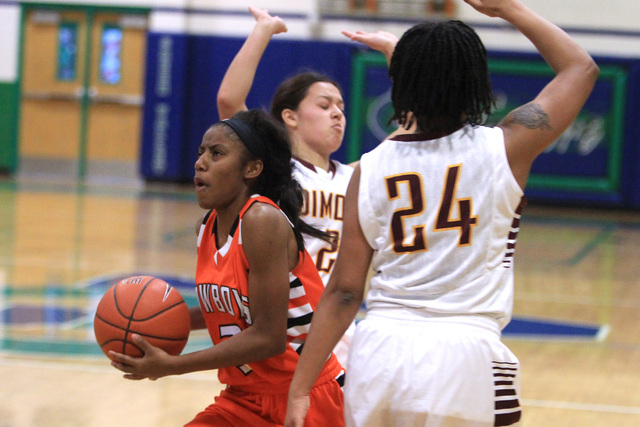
column 235, row 408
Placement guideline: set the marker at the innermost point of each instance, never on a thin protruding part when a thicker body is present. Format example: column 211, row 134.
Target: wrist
column 174, row 366
column 511, row 11
column 263, row 29
column 267, row 28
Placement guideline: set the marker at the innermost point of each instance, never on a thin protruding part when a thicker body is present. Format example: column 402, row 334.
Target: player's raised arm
column 238, row 79
column 529, row 129
column 382, row 41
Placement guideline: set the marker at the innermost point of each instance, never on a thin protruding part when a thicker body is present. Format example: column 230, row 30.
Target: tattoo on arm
column 530, row 116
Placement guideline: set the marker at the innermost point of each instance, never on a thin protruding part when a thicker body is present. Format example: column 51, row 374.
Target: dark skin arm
column 270, row 247
column 337, row 308
column 531, row 128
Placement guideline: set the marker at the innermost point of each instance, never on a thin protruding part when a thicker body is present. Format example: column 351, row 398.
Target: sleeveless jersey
column 222, row 287
column 442, row 216
column 323, row 208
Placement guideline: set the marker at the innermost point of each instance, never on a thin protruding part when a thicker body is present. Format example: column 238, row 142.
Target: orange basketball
column 146, row 306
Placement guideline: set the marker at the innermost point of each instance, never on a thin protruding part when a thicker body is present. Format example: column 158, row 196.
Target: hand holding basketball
column 153, row 365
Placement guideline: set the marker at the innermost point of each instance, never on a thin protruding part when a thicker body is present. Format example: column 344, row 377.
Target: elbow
column 348, row 293
column 593, row 70
column 273, row 345
column 277, row 347
column 583, row 76
column 226, row 106
column 347, row 298
column 281, row 347
column 590, row 70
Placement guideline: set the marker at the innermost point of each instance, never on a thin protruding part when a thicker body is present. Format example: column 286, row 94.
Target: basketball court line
column 52, row 364
column 590, row 246
column 542, row 329
column 587, row 407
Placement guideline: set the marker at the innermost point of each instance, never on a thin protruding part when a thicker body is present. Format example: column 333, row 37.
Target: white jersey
column 442, row 216
column 324, row 194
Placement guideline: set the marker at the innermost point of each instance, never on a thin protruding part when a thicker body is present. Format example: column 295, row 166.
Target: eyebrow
column 331, row 98
column 210, row 145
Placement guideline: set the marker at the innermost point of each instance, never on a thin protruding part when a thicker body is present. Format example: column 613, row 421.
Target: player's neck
column 314, row 158
column 226, row 217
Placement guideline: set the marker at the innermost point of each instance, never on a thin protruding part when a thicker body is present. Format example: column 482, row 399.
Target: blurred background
column 102, row 108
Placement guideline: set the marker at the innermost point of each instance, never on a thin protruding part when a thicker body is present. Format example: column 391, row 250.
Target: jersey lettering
column 320, row 204
column 227, row 331
column 465, row 219
column 215, row 296
column 203, row 293
column 403, row 243
column 415, row 239
column 324, row 260
column 225, row 300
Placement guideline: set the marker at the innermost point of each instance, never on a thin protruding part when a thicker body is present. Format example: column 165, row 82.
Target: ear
column 253, row 169
column 290, row 118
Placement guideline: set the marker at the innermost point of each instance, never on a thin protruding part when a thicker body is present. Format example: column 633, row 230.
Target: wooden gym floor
column 576, row 325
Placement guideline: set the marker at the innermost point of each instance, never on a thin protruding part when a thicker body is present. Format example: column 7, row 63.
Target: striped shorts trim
column 507, row 404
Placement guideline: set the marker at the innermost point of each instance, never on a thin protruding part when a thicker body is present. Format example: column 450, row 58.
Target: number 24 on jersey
column 415, row 240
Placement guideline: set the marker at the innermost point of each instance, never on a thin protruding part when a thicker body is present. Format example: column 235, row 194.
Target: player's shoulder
column 261, row 208
column 264, row 210
column 342, row 170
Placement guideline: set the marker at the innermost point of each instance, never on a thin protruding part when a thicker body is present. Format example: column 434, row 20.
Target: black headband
column 249, row 136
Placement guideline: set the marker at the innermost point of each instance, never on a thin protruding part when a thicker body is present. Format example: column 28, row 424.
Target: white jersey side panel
column 442, row 218
column 323, row 208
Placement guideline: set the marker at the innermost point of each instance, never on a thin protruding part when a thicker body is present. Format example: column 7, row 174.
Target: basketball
column 146, row 306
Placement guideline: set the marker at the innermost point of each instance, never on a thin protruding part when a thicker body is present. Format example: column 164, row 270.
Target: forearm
column 559, row 50
column 239, row 77
column 245, row 347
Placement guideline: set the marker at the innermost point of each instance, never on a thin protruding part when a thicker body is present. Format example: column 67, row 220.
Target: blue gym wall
column 185, row 71
column 175, row 120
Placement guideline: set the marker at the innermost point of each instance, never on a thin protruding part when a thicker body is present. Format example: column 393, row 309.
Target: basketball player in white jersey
column 438, row 213
column 311, row 107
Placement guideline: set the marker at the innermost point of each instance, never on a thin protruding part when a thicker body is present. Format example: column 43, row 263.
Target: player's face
column 320, row 120
column 219, row 177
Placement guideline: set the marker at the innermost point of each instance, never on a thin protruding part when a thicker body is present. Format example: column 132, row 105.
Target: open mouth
column 199, row 183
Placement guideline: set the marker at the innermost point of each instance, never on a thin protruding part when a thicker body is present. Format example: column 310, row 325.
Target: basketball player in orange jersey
column 256, row 284
column 311, row 107
column 437, row 212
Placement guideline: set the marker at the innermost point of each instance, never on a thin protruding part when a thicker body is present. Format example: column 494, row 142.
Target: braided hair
column 276, row 180
column 440, row 77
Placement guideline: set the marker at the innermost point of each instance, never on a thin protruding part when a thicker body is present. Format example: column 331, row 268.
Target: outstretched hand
column 275, row 23
column 382, row 41
column 153, row 365
column 296, row 411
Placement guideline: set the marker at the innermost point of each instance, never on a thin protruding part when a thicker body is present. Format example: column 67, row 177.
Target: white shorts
column 341, row 350
column 407, row 370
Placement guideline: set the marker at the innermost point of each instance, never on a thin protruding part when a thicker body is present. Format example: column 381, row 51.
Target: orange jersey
column 222, row 286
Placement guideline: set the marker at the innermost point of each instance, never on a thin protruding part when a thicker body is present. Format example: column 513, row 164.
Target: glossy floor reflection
column 576, row 326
